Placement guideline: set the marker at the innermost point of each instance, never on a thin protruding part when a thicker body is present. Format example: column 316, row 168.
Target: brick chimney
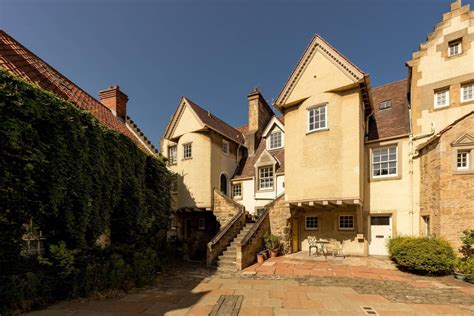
column 115, row 100
column 260, row 114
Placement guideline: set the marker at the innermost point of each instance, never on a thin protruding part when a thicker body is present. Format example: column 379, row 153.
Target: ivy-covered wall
column 77, row 180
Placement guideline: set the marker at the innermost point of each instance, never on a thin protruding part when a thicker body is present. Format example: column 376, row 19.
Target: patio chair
column 313, row 243
column 335, row 247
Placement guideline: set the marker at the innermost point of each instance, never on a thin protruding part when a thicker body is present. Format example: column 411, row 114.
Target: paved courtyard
column 289, row 285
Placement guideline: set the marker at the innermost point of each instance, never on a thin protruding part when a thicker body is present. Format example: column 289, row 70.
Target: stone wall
column 224, row 208
column 247, row 253
column 280, row 222
column 446, row 194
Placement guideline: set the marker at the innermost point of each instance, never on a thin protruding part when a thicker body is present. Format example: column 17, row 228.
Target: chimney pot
column 115, row 100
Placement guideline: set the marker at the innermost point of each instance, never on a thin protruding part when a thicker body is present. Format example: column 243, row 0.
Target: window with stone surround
column 387, row 104
column 346, row 222
column 455, row 47
column 467, row 92
column 384, row 162
column 187, row 151
column 441, row 98
column 463, row 160
column 311, row 222
column 275, row 140
column 265, row 177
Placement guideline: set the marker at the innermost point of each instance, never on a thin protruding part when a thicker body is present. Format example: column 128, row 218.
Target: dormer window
column 385, row 105
column 275, row 140
column 454, row 48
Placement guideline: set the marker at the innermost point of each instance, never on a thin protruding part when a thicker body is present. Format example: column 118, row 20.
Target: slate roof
column 246, row 168
column 21, row 62
column 216, row 123
column 393, row 121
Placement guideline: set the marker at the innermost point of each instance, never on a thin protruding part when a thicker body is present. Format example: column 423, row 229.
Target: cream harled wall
column 324, row 164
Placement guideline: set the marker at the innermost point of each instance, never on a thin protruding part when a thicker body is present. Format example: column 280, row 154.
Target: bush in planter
column 465, row 264
column 272, row 242
column 424, row 255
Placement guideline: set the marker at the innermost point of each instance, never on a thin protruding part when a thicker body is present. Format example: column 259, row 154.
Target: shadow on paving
column 177, row 289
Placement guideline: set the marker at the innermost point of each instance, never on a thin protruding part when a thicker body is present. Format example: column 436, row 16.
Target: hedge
column 423, row 255
column 77, row 180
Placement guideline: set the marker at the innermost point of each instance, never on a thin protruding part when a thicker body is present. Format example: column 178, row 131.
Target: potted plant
column 260, row 257
column 464, row 266
column 272, row 243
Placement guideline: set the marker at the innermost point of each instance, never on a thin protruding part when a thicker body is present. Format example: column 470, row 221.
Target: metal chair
column 313, row 243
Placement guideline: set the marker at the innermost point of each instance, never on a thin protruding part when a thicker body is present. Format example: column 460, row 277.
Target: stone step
column 230, row 252
column 224, row 260
column 226, row 264
column 226, row 269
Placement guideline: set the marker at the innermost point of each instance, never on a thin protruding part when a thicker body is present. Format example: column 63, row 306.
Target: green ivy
column 75, row 177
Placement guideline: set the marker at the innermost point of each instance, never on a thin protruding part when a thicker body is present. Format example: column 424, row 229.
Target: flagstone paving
column 290, row 286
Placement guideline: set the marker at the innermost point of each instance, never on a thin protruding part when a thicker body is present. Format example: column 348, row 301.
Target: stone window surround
column 398, row 176
column 237, row 197
column 184, row 151
column 457, row 148
column 435, row 98
column 455, row 43
column 269, row 139
column 461, row 35
column 308, row 110
column 306, row 222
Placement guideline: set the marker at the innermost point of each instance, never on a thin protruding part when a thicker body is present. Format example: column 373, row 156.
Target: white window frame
column 269, row 178
column 455, row 45
column 270, row 139
column 312, row 113
column 463, row 88
column 234, row 186
column 225, row 147
column 186, row 151
column 435, row 101
column 346, row 228
column 174, row 184
column 306, row 222
column 388, row 161
column 387, row 104
column 466, row 160
column 173, row 156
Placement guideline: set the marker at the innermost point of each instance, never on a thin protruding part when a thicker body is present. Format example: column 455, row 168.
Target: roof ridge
column 389, row 83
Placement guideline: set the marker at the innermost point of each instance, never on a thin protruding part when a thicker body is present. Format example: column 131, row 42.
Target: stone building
column 347, row 161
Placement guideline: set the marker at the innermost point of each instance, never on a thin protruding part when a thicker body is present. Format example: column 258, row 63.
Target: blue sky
column 213, row 52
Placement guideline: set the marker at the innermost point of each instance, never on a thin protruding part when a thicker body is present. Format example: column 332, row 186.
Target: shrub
column 424, row 255
column 271, row 241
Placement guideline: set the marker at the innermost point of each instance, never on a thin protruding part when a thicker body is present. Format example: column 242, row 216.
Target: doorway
column 380, row 234
column 224, row 184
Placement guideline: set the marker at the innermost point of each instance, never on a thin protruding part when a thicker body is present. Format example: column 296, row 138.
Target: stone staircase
column 227, row 261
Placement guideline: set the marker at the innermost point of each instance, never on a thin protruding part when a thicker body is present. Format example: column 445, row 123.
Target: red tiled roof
column 393, row 121
column 216, row 123
column 21, row 62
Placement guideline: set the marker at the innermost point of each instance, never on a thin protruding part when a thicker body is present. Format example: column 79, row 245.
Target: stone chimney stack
column 260, row 114
column 115, row 100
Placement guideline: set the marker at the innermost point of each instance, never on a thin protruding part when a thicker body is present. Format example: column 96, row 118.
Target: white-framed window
column 441, row 98
column 275, row 139
column 187, row 151
column 467, row 92
column 311, row 222
column 265, row 177
column 225, row 147
column 384, row 161
column 426, row 221
column 463, row 160
column 346, row 222
column 317, row 118
column 172, row 155
column 455, row 47
column 385, row 104
column 237, row 190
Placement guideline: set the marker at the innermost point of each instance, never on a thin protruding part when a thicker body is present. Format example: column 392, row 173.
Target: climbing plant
column 77, row 180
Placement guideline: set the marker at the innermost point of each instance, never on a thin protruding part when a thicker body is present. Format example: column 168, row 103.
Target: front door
column 380, row 234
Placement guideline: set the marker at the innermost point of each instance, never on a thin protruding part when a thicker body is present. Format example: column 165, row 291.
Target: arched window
column 224, row 184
